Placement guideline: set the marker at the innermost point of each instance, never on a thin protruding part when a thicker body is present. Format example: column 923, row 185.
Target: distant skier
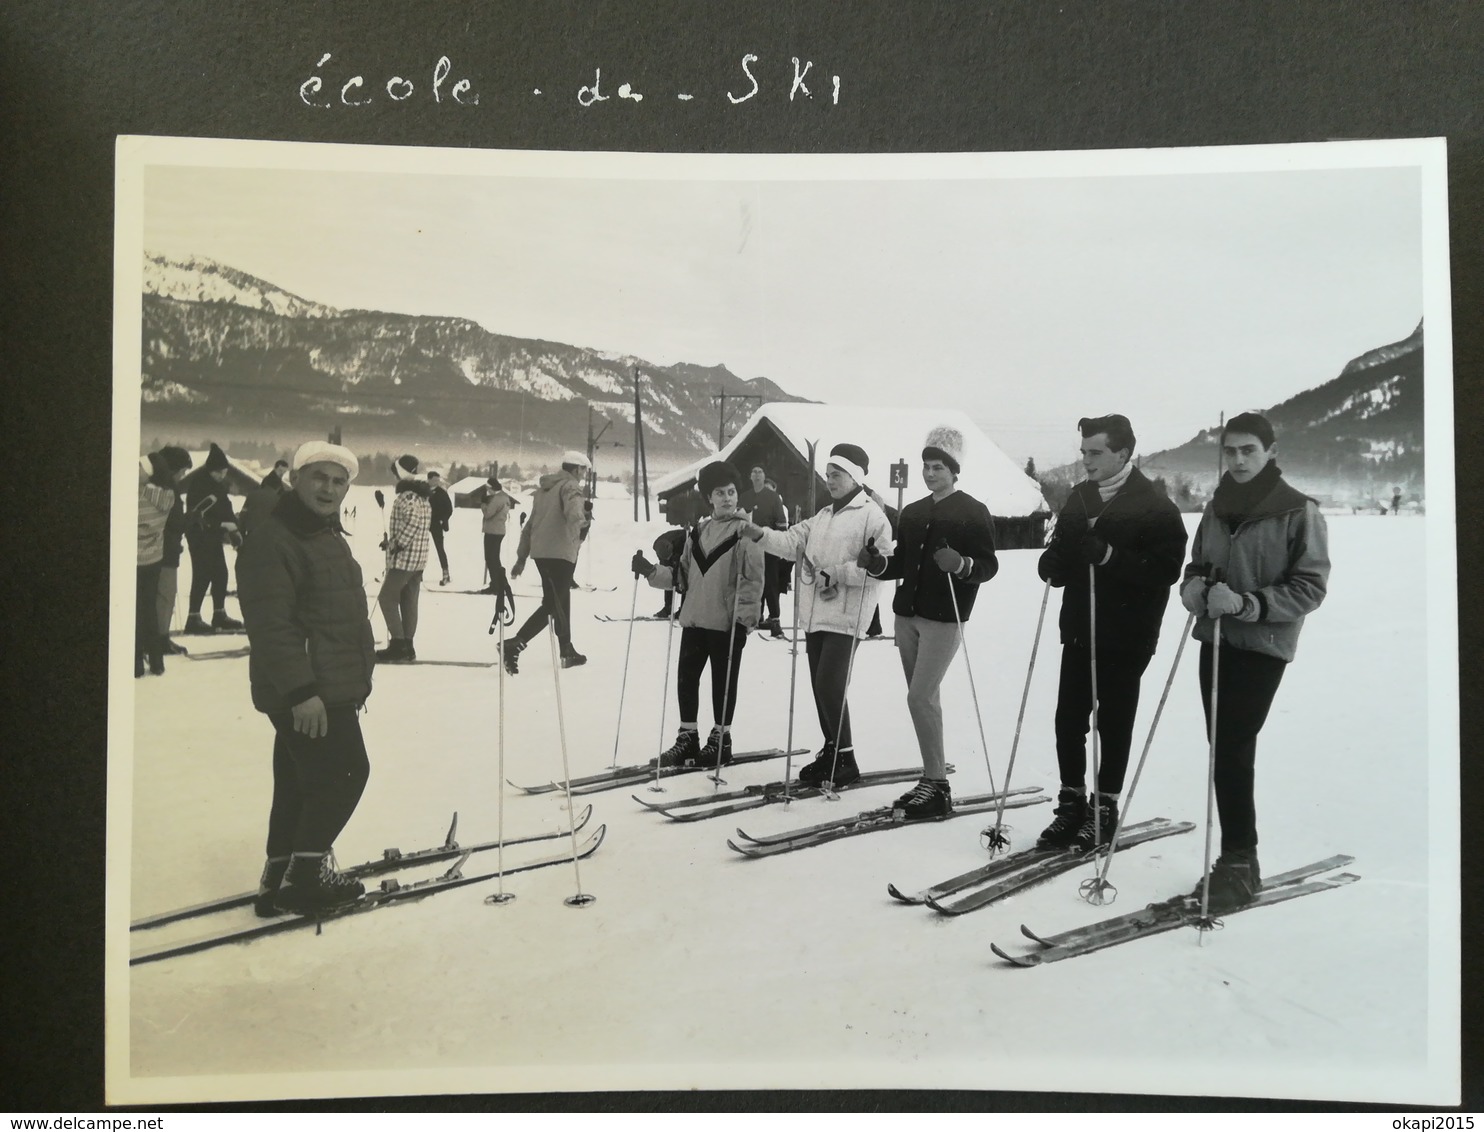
column 765, row 508
column 406, row 559
column 944, row 540
column 720, row 574
column 495, row 504
column 310, row 668
column 210, row 522
column 1133, row 538
column 1270, row 544
column 440, row 509
column 838, row 580
column 552, row 537
column 1396, row 501
column 160, row 474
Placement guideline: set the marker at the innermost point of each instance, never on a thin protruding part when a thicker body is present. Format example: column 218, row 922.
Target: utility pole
column 638, row 439
column 721, row 414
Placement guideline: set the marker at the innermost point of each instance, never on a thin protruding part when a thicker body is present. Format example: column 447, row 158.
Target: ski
column 1035, row 872
column 389, row 893
column 638, row 773
column 823, row 827
column 1162, row 917
column 223, row 654
column 606, row 617
column 437, row 663
column 874, row 820
column 751, row 797
column 390, row 861
column 1292, row 876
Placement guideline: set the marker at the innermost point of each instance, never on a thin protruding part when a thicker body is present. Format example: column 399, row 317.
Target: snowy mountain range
column 1354, row 437
column 224, row 349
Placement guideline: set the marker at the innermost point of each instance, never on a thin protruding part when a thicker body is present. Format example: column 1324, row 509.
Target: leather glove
column 1094, row 549
column 641, row 566
column 870, row 559
column 1193, row 596
column 1222, row 600
column 948, row 560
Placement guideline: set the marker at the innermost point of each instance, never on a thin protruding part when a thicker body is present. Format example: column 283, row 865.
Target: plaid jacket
column 407, row 534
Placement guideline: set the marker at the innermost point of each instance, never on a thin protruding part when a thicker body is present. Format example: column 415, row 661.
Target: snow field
column 697, row 967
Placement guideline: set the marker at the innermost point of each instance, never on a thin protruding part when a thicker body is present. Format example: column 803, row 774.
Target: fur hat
column 216, row 460
column 853, row 458
column 717, row 474
column 946, row 444
column 323, row 452
column 405, row 466
column 175, row 459
column 576, row 459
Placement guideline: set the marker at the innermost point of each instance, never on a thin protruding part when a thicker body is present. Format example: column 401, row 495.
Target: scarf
column 837, row 504
column 1109, row 487
column 1234, row 502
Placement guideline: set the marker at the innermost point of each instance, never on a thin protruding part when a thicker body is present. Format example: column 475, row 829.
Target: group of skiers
column 1258, row 565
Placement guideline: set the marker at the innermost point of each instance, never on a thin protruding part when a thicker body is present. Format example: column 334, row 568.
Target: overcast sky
column 1026, row 302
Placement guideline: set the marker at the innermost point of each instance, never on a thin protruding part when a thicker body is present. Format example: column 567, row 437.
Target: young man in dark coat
column 310, row 668
column 1259, row 564
column 210, row 521
column 765, row 506
column 1118, row 529
column 944, row 553
column 442, row 511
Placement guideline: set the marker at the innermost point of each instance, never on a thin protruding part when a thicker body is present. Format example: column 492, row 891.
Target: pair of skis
column 765, row 794
column 638, row 774
column 874, row 821
column 1177, row 912
column 391, row 891
column 1004, row 876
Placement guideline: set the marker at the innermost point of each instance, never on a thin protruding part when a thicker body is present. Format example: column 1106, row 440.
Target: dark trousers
column 316, row 782
column 1247, row 683
column 772, row 576
column 437, row 533
column 556, row 603
column 208, row 568
column 1119, row 671
column 697, row 648
column 829, row 675
column 148, row 640
column 492, row 560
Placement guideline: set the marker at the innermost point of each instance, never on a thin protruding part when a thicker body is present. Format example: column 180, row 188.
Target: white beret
column 572, row 456
column 323, row 452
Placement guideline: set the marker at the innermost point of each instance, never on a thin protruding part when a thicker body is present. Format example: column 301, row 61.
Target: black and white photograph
column 638, row 621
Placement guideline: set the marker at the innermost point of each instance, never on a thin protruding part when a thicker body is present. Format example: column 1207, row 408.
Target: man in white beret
column 552, row 538
column 312, row 654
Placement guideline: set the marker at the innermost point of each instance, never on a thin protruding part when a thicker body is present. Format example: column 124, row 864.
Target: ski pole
column 503, row 897
column 665, row 690
column 579, row 899
column 855, row 641
column 996, row 839
column 726, row 686
column 1092, row 618
column 973, row 690
column 624, row 683
column 793, row 682
column 1097, row 890
column 1205, row 923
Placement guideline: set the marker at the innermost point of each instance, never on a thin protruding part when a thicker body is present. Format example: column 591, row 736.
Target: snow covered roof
column 888, row 434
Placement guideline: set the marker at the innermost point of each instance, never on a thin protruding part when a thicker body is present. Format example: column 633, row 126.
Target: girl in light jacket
column 841, row 552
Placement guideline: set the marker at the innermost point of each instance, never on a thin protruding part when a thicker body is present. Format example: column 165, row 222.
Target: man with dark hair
column 552, row 537
column 494, row 505
column 262, row 499
column 1259, row 564
column 1118, row 544
column 310, row 671
column 765, row 507
column 210, row 522
column 441, row 510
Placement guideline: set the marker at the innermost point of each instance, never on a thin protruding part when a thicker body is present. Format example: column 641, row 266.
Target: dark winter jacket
column 765, row 507
column 304, row 606
column 442, row 507
column 1278, row 553
column 207, row 503
column 1147, row 536
column 964, row 522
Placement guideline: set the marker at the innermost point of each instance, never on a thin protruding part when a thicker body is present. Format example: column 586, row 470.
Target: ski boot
column 312, row 885
column 224, row 624
column 573, row 659
column 173, row 649
column 510, row 655
column 718, row 743
column 1066, row 821
column 1098, row 826
column 398, row 651
column 927, row 801
column 685, row 751
column 265, row 904
column 1236, row 879
column 196, row 627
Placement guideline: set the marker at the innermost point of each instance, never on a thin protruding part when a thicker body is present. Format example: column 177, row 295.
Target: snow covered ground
column 698, row 968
